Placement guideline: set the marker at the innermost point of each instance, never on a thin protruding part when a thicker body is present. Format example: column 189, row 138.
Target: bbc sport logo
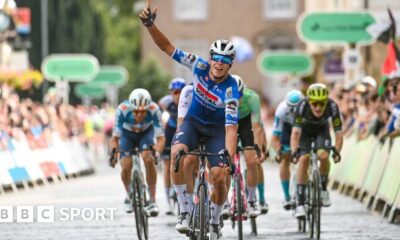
column 49, row 214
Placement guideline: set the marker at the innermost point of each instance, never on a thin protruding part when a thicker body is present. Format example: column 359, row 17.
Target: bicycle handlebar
column 255, row 147
column 182, row 153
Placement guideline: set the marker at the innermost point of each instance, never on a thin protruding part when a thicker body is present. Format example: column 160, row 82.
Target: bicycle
column 238, row 203
column 313, row 201
column 138, row 194
column 199, row 221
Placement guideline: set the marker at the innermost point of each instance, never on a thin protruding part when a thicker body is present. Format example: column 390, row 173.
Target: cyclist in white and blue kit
column 213, row 114
column 283, row 122
column 137, row 124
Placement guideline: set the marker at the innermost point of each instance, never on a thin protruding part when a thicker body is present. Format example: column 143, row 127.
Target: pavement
column 81, row 197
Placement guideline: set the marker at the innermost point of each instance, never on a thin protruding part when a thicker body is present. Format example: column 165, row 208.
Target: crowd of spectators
column 34, row 123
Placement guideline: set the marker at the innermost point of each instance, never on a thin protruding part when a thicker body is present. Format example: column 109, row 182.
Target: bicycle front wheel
column 317, row 205
column 203, row 207
column 138, row 205
column 239, row 206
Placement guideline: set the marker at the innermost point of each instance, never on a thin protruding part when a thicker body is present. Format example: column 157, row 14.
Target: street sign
column 90, row 90
column 112, row 75
column 352, row 58
column 296, row 63
column 335, row 27
column 70, row 67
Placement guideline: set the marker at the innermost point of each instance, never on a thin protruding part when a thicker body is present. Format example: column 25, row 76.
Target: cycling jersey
column 185, row 99
column 168, row 104
column 311, row 125
column 250, row 104
column 213, row 103
column 394, row 119
column 125, row 120
column 283, row 116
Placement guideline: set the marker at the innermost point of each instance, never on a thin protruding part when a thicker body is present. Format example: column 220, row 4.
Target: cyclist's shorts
column 130, row 140
column 322, row 141
column 169, row 135
column 245, row 131
column 190, row 132
column 285, row 137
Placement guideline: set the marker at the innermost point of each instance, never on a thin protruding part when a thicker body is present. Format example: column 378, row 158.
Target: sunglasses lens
column 221, row 58
column 316, row 104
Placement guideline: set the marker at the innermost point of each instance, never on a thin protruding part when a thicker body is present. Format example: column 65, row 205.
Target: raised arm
column 148, row 17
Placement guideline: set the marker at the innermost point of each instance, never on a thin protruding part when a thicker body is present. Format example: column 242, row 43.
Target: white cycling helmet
column 140, row 98
column 293, row 98
column 240, row 83
column 223, row 47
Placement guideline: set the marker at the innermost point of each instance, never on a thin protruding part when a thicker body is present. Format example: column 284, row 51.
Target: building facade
column 193, row 25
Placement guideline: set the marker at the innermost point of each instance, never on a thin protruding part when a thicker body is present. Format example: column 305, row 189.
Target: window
column 190, row 10
column 197, row 47
column 280, row 9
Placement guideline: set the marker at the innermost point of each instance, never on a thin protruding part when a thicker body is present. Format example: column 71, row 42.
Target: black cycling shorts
column 245, row 131
column 169, row 134
column 322, row 141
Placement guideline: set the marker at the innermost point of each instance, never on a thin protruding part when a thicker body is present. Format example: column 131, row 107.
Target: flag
column 391, row 65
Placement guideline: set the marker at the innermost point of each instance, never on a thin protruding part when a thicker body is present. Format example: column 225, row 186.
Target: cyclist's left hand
column 336, row 156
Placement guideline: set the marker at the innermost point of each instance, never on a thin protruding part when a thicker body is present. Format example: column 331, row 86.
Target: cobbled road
column 345, row 219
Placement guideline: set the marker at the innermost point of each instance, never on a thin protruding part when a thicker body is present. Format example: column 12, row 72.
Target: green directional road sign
column 112, row 75
column 296, row 63
column 70, row 67
column 335, row 27
column 90, row 90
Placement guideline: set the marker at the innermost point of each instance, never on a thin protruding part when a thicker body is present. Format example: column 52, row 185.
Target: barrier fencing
column 370, row 172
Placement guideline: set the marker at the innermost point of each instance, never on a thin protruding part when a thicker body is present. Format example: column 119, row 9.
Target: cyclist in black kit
column 312, row 119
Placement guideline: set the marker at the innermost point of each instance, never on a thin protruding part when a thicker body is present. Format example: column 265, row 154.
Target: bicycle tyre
column 239, row 205
column 253, row 224
column 312, row 204
column 202, row 200
column 138, row 209
column 136, row 203
column 317, row 207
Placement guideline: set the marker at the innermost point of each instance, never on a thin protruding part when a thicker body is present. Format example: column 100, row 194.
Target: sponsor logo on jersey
column 189, row 58
column 228, row 93
column 201, row 66
column 231, row 119
column 232, row 106
column 206, row 95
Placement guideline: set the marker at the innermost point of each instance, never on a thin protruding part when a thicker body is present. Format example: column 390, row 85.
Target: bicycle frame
column 233, row 203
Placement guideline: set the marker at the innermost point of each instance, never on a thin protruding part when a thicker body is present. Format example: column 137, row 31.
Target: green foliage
column 151, row 77
column 107, row 29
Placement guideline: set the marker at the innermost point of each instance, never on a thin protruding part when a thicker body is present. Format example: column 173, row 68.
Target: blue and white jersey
column 125, row 119
column 394, row 122
column 167, row 104
column 282, row 115
column 212, row 103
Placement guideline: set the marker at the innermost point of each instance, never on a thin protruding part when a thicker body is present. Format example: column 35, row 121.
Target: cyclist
column 169, row 103
column 137, row 123
column 312, row 118
column 250, row 120
column 284, row 117
column 250, row 132
column 213, row 113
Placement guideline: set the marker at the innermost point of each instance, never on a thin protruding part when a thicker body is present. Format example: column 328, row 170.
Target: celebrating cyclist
column 169, row 103
column 283, row 121
column 250, row 132
column 311, row 122
column 213, row 114
column 137, row 123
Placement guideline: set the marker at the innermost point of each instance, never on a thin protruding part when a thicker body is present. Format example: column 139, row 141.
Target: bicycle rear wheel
column 239, row 206
column 253, row 225
column 138, row 205
column 202, row 200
